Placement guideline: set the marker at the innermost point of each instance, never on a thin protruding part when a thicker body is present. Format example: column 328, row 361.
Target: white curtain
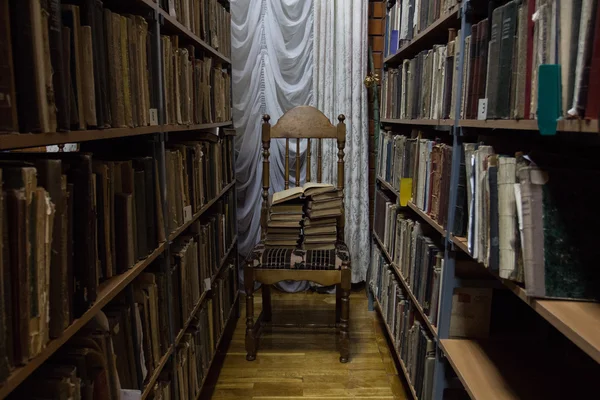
column 276, row 67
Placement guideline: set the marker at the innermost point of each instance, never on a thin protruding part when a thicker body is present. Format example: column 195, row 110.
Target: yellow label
column 405, row 191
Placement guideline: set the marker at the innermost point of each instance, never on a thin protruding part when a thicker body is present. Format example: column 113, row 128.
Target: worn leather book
column 5, row 300
column 448, row 75
column 59, row 63
column 87, row 75
column 454, row 92
column 111, row 69
column 121, row 339
column 29, row 68
column 124, row 238
column 592, row 110
column 493, row 248
column 519, row 65
column 134, row 72
column 319, row 205
column 8, row 291
column 482, row 64
column 50, row 177
column 584, row 53
column 125, row 70
column 461, row 210
column 493, row 66
column 128, row 187
column 48, row 103
column 8, row 97
column 140, row 214
column 145, row 166
column 17, row 210
column 436, row 180
column 91, row 12
column 507, row 211
column 507, row 45
column 71, row 19
column 473, row 72
column 69, row 76
column 103, row 205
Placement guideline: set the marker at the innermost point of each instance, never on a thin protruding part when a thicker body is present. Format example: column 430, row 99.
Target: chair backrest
column 302, row 122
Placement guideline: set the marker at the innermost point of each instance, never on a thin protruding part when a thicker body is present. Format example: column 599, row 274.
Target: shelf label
column 187, row 214
column 207, row 285
column 153, row 116
column 482, row 110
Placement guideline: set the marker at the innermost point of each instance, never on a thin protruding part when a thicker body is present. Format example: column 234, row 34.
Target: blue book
column 393, row 42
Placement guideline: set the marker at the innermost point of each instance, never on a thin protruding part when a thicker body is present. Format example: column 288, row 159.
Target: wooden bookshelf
column 424, row 122
column 173, row 25
column 507, row 369
column 570, row 125
column 407, row 288
column 436, row 29
column 204, row 208
column 427, row 218
column 395, row 350
column 149, row 387
column 14, row 141
column 577, row 320
column 106, row 292
column 388, row 186
column 226, row 325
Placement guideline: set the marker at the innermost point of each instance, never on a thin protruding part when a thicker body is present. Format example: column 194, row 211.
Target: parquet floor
column 293, row 364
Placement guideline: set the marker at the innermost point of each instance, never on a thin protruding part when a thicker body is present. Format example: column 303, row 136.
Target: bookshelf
column 494, row 367
column 149, row 139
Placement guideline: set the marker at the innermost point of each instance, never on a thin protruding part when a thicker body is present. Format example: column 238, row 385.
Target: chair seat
column 263, row 257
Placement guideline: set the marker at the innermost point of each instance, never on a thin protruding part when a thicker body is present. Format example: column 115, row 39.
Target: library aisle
column 305, row 364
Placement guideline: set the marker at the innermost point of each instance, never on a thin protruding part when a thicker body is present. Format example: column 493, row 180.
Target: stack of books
column 305, row 217
column 324, row 205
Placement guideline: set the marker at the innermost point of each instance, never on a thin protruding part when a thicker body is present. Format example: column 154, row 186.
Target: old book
column 128, row 186
column 507, row 218
column 132, row 45
column 87, row 76
column 507, row 44
column 493, row 248
column 320, row 230
column 286, row 208
column 72, row 20
column 584, row 52
column 145, row 166
column 140, row 214
column 592, row 110
column 124, row 238
column 124, row 56
column 17, row 211
column 319, row 205
column 5, row 300
column 324, row 213
column 114, row 94
column 8, row 98
column 309, row 189
column 103, row 205
column 29, row 65
column 494, row 60
column 50, row 177
column 569, row 25
column 519, row 65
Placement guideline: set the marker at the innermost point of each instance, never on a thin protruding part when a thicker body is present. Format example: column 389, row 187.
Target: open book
column 309, row 189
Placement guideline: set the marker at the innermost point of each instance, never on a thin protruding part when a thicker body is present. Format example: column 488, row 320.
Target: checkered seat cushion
column 290, row 258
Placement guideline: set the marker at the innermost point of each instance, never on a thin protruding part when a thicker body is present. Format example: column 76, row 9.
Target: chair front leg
column 250, row 339
column 338, row 304
column 346, row 285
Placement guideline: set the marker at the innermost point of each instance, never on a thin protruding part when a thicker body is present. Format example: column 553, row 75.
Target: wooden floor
column 293, row 364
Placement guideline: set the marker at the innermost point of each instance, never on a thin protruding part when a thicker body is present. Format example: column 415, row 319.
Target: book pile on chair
column 323, row 209
column 305, row 217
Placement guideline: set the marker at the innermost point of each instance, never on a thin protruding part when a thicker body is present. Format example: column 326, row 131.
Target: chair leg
column 250, row 338
column 338, row 303
column 266, row 303
column 345, row 314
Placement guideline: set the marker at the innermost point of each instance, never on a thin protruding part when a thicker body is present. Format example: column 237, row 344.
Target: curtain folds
column 296, row 52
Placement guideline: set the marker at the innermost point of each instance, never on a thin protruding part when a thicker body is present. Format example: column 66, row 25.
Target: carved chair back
column 302, row 122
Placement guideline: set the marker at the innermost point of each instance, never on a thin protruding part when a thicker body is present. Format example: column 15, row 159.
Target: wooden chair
column 272, row 265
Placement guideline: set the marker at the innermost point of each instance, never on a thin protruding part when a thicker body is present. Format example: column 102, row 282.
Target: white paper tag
column 482, row 110
column 187, row 214
column 207, row 284
column 153, row 116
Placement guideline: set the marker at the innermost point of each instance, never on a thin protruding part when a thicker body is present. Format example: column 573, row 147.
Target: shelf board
column 205, row 207
column 194, row 127
column 432, row 30
column 106, row 292
column 512, row 369
column 407, row 288
column 156, row 373
column 395, row 350
column 427, row 218
column 12, row 141
column 181, row 29
column 577, row 320
column 427, row 122
column 24, row 140
column 388, row 186
column 570, row 125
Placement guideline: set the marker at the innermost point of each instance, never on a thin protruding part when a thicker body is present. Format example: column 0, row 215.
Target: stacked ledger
column 305, row 217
